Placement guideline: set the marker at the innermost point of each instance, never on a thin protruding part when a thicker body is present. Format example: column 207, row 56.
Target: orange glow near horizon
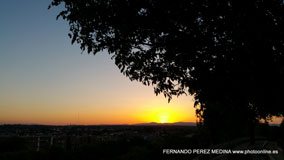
column 93, row 112
column 165, row 115
column 159, row 111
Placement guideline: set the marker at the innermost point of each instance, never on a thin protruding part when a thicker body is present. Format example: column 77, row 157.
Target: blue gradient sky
column 45, row 79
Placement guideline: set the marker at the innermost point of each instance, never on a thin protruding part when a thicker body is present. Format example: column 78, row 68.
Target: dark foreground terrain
column 37, row 142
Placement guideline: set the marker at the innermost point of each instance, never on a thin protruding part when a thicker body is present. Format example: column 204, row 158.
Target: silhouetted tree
column 228, row 54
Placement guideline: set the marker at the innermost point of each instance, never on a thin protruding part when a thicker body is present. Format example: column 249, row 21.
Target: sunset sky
column 46, row 80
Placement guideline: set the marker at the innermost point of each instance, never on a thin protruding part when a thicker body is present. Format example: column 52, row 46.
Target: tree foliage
column 228, row 54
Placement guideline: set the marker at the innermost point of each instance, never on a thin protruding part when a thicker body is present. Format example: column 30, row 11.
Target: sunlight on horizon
column 164, row 118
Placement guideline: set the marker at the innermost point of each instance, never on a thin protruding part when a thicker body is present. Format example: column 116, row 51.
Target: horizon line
column 100, row 124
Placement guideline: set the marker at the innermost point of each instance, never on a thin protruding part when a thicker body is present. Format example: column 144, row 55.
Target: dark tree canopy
column 228, row 54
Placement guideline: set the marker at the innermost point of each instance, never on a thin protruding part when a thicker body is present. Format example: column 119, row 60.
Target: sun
column 163, row 118
column 163, row 114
